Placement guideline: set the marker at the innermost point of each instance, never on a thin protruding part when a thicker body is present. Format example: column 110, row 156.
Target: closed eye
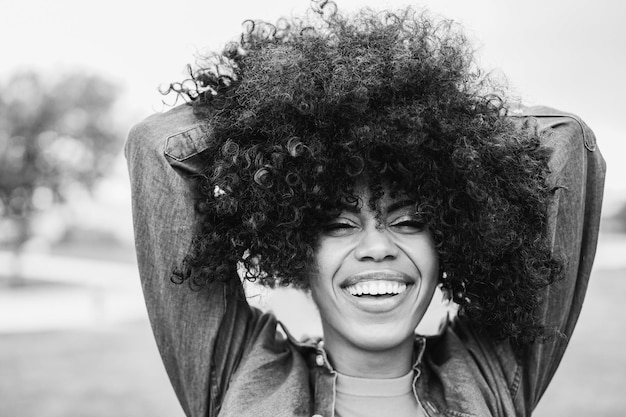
column 339, row 228
column 409, row 226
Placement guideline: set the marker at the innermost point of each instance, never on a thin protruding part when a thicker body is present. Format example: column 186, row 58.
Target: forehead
column 379, row 201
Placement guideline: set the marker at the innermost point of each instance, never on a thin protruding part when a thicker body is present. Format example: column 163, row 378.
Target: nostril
column 376, row 245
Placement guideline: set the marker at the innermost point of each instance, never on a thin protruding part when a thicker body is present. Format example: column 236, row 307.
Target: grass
column 116, row 370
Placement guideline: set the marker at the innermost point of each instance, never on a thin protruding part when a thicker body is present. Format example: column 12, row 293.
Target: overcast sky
column 567, row 54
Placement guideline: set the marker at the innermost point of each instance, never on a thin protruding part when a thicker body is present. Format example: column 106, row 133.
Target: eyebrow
column 400, row 204
column 355, row 209
column 351, row 208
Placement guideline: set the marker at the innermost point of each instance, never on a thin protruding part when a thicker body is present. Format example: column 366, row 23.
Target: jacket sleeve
column 578, row 172
column 200, row 334
column 577, row 178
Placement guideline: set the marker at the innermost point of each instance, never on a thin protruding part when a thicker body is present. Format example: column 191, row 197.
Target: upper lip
column 384, row 275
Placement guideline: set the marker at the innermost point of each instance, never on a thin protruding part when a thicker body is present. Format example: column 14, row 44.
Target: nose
column 376, row 245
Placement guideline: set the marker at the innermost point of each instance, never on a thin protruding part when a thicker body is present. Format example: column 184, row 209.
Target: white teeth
column 374, row 289
column 377, row 288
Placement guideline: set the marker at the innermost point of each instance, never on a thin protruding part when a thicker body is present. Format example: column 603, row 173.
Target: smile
column 378, row 292
column 378, row 287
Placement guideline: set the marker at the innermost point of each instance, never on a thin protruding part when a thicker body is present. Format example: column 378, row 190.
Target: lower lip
column 378, row 304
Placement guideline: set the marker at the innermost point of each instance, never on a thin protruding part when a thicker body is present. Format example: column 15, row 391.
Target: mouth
column 377, row 291
column 377, row 288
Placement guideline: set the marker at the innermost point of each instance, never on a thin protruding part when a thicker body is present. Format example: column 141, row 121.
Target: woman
column 366, row 160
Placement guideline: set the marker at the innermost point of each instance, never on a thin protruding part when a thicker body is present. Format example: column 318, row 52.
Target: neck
column 352, row 360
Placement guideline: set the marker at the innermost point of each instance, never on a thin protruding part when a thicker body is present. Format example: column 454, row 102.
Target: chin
column 381, row 337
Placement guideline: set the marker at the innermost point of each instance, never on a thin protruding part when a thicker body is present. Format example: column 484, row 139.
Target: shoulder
column 462, row 348
column 466, row 367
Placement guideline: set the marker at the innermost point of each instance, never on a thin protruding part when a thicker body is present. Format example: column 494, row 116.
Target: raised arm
column 578, row 175
column 186, row 324
column 516, row 383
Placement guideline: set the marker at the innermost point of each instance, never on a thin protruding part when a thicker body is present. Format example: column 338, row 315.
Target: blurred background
column 74, row 77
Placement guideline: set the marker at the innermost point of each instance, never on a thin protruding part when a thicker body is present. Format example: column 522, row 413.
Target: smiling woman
column 364, row 159
column 374, row 278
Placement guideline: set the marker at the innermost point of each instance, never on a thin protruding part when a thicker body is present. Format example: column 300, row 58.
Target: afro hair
column 298, row 111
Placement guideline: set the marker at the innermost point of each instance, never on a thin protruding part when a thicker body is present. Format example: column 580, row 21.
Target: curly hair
column 298, row 111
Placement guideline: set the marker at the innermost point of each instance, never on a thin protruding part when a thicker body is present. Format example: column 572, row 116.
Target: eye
column 339, row 227
column 408, row 224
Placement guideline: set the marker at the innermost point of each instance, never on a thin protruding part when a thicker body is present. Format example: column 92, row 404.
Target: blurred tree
column 54, row 136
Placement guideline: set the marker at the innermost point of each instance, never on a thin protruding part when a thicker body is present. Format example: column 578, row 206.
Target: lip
column 382, row 275
column 379, row 304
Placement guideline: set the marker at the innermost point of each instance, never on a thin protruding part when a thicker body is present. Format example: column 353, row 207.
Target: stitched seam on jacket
column 191, row 133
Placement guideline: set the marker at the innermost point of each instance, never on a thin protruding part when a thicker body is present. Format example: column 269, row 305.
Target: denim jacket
column 225, row 358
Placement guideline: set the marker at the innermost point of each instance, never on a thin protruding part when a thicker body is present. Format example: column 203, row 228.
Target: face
column 374, row 277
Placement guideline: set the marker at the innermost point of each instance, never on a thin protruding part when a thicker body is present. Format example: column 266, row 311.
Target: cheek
column 423, row 256
column 322, row 295
column 321, row 274
column 326, row 260
column 431, row 263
